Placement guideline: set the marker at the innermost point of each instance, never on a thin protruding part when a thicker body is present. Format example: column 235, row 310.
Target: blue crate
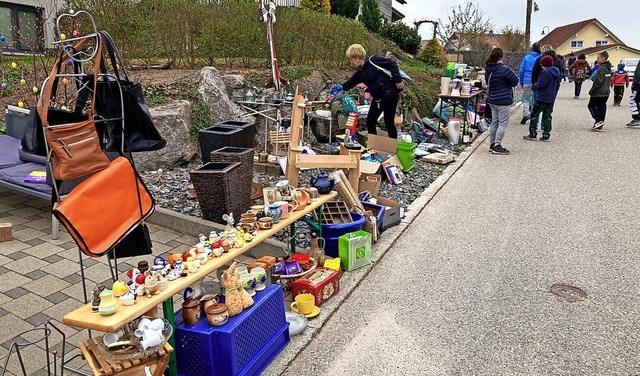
column 377, row 210
column 243, row 346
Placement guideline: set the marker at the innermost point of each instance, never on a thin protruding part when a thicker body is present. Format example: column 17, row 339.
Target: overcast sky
column 616, row 17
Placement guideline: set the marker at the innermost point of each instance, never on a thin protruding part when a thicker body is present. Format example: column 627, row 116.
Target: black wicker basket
column 217, row 187
column 248, row 131
column 244, row 156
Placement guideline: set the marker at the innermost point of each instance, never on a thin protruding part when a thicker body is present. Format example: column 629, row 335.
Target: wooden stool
column 101, row 367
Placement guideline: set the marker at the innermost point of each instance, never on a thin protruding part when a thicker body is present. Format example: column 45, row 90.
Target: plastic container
column 216, row 137
column 453, row 127
column 405, row 154
column 248, row 131
column 331, row 233
column 245, row 345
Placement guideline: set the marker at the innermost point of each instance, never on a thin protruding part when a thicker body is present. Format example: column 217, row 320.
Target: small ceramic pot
column 275, row 212
column 265, row 223
column 248, row 217
column 207, row 301
column 190, row 311
column 217, row 314
column 248, row 283
column 263, row 157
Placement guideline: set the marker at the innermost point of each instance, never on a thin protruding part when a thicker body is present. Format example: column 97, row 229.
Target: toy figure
column 96, row 297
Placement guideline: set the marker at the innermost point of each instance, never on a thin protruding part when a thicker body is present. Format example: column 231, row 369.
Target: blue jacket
column 548, row 85
column 500, row 83
column 526, row 67
column 377, row 82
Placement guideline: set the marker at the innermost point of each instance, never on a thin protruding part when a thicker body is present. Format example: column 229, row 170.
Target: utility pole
column 527, row 28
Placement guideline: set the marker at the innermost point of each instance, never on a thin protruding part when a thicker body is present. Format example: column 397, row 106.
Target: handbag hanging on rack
column 74, row 147
column 140, row 133
column 105, row 208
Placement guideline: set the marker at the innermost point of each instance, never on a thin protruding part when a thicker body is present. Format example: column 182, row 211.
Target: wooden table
column 85, row 319
column 455, row 100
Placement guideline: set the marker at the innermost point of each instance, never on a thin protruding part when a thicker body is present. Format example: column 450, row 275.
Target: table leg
column 319, row 213
column 292, row 233
column 167, row 308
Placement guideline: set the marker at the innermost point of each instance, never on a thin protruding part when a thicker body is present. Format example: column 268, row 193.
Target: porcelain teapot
column 322, row 182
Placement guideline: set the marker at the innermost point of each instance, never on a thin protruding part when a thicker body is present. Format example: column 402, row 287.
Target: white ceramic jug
column 453, row 127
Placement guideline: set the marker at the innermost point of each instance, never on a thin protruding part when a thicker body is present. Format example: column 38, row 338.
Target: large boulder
column 173, row 121
column 214, row 92
column 311, row 85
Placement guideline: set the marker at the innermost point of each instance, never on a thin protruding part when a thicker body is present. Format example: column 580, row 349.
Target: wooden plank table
column 85, row 319
column 455, row 101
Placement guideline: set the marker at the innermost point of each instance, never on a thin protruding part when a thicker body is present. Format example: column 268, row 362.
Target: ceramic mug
column 151, row 338
column 156, row 324
column 109, row 338
column 260, row 275
column 286, row 207
column 304, row 303
column 271, row 195
column 144, row 323
column 313, row 193
column 242, row 270
column 248, row 283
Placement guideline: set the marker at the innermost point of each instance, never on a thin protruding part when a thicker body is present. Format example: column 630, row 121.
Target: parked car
column 630, row 65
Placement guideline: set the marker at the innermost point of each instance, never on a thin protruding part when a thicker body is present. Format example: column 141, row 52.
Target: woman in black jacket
column 384, row 90
column 500, row 83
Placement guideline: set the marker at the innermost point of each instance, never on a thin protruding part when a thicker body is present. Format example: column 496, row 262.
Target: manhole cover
column 570, row 293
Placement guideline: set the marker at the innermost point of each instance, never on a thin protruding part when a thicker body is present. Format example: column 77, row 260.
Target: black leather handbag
column 140, row 133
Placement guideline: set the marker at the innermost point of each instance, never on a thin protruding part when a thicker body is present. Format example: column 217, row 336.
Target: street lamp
column 546, row 27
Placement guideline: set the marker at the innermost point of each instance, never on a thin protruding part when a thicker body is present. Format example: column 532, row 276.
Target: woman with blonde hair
column 384, row 89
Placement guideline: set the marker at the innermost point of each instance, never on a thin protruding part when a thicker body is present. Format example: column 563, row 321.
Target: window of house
column 577, row 44
column 601, row 43
column 21, row 27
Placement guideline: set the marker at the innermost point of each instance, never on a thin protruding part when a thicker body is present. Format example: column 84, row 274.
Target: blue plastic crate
column 377, row 210
column 243, row 346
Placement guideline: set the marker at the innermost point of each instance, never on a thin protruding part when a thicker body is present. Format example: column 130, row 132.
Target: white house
column 21, row 24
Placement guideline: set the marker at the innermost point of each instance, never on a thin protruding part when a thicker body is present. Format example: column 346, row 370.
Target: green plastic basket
column 405, row 154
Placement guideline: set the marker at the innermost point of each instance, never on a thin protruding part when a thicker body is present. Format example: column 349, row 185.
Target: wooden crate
column 335, row 212
column 102, row 367
column 439, row 158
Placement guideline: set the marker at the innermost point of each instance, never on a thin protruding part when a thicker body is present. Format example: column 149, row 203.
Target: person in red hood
column 619, row 81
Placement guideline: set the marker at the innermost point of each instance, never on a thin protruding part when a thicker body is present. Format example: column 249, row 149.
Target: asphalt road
column 466, row 289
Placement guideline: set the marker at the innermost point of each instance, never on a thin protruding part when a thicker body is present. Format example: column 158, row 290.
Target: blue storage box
column 245, row 345
column 377, row 210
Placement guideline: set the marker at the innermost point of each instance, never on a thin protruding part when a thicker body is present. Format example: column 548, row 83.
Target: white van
column 630, row 65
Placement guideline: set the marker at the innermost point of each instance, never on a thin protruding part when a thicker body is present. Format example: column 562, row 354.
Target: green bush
column 433, row 54
column 406, row 37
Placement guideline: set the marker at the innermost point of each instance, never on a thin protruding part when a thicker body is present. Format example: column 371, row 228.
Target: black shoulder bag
column 140, row 134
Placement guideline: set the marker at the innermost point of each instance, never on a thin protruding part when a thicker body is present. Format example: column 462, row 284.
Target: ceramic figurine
column 95, row 303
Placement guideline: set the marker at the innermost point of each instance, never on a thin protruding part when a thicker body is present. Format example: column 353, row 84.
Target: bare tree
column 512, row 39
column 466, row 28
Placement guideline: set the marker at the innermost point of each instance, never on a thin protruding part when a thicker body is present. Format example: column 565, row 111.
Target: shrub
column 406, row 37
column 432, row 54
column 371, row 17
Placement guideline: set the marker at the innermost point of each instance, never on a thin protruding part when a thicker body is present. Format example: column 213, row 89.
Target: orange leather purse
column 105, row 207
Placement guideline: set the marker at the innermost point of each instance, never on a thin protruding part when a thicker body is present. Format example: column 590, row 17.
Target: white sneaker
column 634, row 123
column 597, row 127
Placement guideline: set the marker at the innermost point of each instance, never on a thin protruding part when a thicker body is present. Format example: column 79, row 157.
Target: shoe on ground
column 598, row 127
column 544, row 138
column 530, row 137
column 491, row 147
column 499, row 149
column 576, row 97
column 634, row 123
column 524, row 120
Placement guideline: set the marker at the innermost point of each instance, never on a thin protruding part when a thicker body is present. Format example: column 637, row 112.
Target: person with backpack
column 384, row 90
column 619, row 80
column 341, row 104
column 500, row 83
column 581, row 71
column 572, row 59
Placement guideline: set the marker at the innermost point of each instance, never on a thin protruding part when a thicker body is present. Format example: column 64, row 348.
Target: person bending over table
column 384, row 90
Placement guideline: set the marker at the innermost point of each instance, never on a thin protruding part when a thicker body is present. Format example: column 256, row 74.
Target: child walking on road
column 599, row 91
column 547, row 89
column 581, row 71
column 619, row 80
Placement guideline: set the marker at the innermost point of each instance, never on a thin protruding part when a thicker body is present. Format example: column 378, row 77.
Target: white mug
column 156, row 324
column 109, row 338
column 144, row 323
column 151, row 338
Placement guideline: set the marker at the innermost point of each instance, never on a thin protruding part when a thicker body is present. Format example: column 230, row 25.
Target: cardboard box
column 370, row 183
column 439, row 158
column 5, row 232
column 384, row 146
column 391, row 215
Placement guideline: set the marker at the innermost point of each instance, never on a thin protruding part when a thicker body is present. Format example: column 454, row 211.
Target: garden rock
column 173, row 121
column 213, row 91
column 233, row 81
column 311, row 85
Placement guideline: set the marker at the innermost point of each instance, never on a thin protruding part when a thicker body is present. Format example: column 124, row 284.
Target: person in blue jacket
column 384, row 90
column 547, row 90
column 526, row 67
column 500, row 83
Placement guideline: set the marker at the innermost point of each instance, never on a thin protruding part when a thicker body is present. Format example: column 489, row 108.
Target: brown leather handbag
column 74, row 148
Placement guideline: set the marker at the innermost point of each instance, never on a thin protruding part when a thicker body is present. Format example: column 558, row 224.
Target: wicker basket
column 248, row 131
column 245, row 157
column 217, row 187
column 216, row 137
column 285, row 280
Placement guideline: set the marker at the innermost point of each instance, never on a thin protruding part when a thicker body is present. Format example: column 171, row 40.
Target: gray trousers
column 527, row 102
column 499, row 122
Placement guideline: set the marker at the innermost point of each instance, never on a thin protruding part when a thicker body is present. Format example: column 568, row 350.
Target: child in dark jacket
column 619, row 80
column 599, row 91
column 547, row 89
